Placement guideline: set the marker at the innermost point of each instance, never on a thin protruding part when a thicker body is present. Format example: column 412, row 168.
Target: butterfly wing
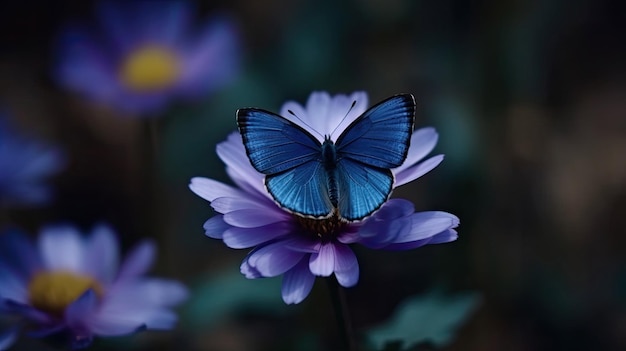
column 374, row 143
column 303, row 189
column 273, row 143
column 380, row 136
column 289, row 157
column 362, row 189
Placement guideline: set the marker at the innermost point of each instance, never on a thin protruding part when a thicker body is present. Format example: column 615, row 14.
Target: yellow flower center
column 53, row 291
column 149, row 68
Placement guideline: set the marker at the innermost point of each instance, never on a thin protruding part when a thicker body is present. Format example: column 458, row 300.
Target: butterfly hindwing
column 273, row 143
column 302, row 189
column 362, row 189
column 380, row 137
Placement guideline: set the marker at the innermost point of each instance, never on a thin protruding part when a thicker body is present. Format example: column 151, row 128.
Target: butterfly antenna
column 306, row 124
column 344, row 117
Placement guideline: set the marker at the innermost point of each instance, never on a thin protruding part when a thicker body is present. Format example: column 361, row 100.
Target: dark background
column 529, row 99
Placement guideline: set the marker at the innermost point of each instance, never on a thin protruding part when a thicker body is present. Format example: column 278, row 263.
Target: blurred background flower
column 142, row 55
column 25, row 166
column 74, row 286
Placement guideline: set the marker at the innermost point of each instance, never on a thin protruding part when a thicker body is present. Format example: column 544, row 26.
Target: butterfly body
column 350, row 176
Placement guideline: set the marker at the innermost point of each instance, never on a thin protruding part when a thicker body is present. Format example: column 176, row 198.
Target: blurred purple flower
column 144, row 56
column 24, row 165
column 303, row 248
column 70, row 286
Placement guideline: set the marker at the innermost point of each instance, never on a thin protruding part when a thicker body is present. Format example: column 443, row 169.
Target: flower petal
column 423, row 141
column 322, row 263
column 427, row 224
column 251, row 218
column 102, row 256
column 297, row 283
column 414, row 172
column 229, row 204
column 62, row 248
column 12, row 285
column 215, row 227
column 138, row 261
column 18, row 253
column 78, row 313
column 241, row 238
column 346, row 266
column 440, row 238
column 273, row 259
column 210, row 189
column 218, row 45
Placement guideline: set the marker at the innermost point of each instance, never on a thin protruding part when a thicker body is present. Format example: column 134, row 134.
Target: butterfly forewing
column 273, row 143
column 380, row 137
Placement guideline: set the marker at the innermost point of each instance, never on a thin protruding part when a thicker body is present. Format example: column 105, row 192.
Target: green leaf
column 430, row 318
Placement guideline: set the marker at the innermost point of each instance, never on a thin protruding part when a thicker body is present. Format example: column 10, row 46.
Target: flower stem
column 342, row 315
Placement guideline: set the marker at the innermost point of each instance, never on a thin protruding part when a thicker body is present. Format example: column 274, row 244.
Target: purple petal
column 13, row 286
column 229, row 204
column 427, row 224
column 131, row 306
column 213, row 59
column 297, row 283
column 233, row 154
column 423, row 141
column 215, row 227
column 379, row 231
column 102, row 256
column 251, row 218
column 26, row 311
column 444, row 237
column 345, row 259
column 138, row 261
column 241, row 238
column 8, row 337
column 114, row 325
column 339, row 117
column 273, row 259
column 322, row 263
column 346, row 266
column 414, row 172
column 78, row 313
column 84, row 68
column 248, row 271
column 153, row 291
column 210, row 189
column 62, row 248
column 17, row 252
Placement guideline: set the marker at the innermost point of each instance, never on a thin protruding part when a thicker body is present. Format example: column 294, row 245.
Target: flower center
column 326, row 229
column 54, row 291
column 150, row 68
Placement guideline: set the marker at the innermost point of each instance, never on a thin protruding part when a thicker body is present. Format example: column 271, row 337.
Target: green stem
column 342, row 315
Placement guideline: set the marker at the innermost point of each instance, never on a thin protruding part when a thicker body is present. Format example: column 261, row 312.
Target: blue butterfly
column 351, row 177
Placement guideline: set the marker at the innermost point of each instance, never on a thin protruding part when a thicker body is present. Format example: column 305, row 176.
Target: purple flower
column 24, row 165
column 302, row 248
column 144, row 55
column 71, row 286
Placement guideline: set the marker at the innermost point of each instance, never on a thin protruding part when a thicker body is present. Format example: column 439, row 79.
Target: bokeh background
column 529, row 99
